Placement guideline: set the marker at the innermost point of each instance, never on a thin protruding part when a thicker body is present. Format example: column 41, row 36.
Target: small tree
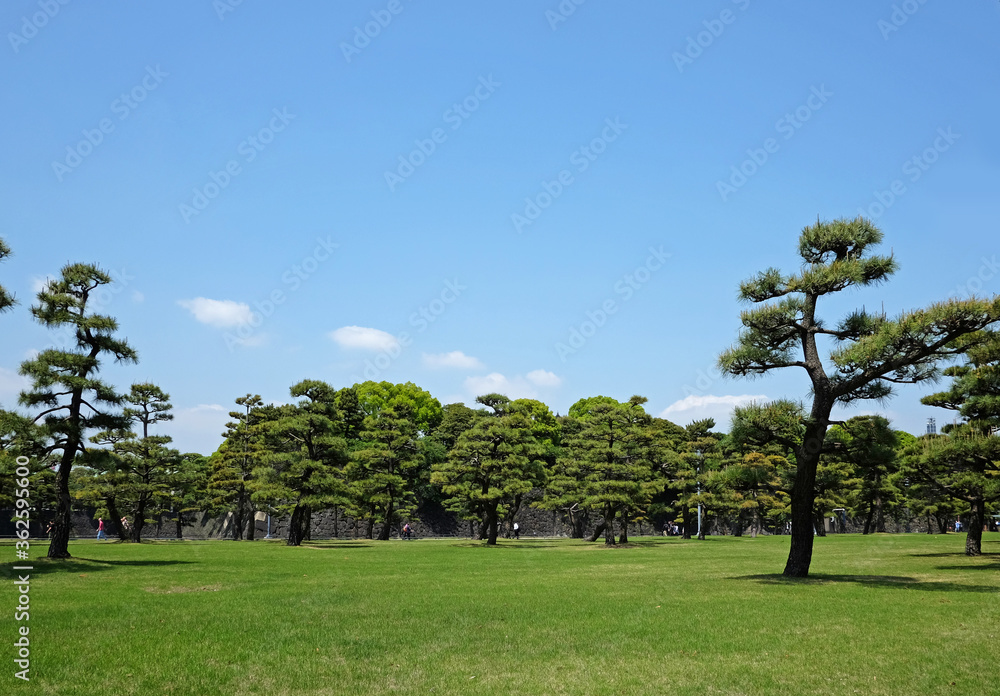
column 965, row 463
column 492, row 462
column 304, row 469
column 233, row 465
column 64, row 382
column 874, row 352
column 6, row 299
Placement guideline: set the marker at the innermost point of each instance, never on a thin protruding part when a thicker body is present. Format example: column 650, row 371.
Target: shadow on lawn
column 44, row 566
column 894, row 582
column 521, row 544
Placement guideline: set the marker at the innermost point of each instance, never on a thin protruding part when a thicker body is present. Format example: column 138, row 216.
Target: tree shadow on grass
column 334, row 545
column 522, row 544
column 894, row 582
column 76, row 564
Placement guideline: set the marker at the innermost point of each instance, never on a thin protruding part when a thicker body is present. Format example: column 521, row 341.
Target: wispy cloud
column 719, row 408
column 223, row 314
column 518, row 387
column 455, row 359
column 363, row 338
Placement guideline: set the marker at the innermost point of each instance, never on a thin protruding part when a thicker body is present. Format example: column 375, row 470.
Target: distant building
column 931, row 426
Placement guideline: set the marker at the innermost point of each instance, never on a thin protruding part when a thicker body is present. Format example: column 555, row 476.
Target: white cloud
column 197, row 429
column 11, row 385
column 137, row 296
column 519, row 387
column 720, row 408
column 219, row 313
column 543, row 378
column 363, row 338
column 38, row 283
column 455, row 358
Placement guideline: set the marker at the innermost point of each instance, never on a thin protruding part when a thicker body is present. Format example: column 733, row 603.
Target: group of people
column 671, row 529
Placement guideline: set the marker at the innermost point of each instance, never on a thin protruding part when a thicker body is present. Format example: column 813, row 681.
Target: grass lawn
column 899, row 614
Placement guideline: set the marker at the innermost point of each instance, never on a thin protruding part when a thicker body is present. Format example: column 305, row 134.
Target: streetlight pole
column 698, row 479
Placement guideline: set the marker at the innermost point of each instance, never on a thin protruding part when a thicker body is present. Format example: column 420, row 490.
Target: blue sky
column 538, row 198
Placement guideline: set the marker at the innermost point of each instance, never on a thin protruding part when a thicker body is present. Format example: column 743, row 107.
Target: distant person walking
column 517, row 531
column 407, row 531
column 100, row 528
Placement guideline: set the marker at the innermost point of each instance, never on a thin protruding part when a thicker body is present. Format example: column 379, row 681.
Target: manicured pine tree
column 492, row 462
column 873, row 352
column 65, row 384
column 6, row 299
column 145, row 469
column 386, row 467
column 303, row 471
column 233, row 465
column 869, row 444
column 965, row 462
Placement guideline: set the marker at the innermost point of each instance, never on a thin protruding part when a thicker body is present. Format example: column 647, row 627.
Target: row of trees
column 374, row 450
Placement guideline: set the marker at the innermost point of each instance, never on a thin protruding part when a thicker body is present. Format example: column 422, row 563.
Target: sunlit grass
column 905, row 614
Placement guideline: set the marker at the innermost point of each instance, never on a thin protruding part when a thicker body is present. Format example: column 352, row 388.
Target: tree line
column 375, row 450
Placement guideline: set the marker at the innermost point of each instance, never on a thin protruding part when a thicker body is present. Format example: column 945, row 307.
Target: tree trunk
column 383, row 535
column 804, row 495
column 930, row 530
column 116, row 520
column 869, row 518
column 686, row 522
column 623, row 537
column 180, row 525
column 598, row 531
column 296, row 526
column 59, row 546
column 820, row 524
column 370, row 531
column 336, row 521
column 491, row 522
column 252, row 526
column 974, row 537
column 609, row 525
column 879, row 516
column 139, row 519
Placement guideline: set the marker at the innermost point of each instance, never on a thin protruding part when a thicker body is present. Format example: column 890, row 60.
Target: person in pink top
column 100, row 528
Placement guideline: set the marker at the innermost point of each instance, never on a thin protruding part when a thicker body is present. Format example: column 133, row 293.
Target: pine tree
column 6, row 299
column 873, row 353
column 233, row 465
column 64, row 382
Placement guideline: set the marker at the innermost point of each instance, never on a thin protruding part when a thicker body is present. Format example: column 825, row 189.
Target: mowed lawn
column 888, row 614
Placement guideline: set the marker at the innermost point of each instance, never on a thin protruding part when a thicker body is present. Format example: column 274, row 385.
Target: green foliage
column 493, row 464
column 302, row 469
column 6, row 299
column 65, row 387
column 230, row 481
column 872, row 354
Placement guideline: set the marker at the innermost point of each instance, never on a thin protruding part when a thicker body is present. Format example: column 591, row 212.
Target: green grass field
column 901, row 614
